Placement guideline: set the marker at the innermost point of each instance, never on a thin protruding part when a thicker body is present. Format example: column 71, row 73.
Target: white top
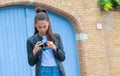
column 47, row 55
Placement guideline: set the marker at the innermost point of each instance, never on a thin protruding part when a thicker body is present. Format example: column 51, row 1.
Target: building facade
column 95, row 33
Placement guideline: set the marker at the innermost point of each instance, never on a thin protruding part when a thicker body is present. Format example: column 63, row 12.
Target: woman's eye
column 39, row 27
column 44, row 26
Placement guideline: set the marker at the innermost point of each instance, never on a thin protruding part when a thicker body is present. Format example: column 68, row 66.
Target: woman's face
column 42, row 26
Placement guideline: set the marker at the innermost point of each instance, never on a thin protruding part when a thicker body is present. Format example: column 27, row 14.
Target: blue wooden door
column 16, row 25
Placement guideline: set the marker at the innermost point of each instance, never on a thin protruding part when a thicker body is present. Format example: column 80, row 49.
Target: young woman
column 45, row 49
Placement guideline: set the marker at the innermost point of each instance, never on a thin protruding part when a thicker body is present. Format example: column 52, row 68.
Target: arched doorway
column 16, row 25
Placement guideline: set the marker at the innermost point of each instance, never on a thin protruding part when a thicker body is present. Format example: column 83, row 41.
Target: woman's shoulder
column 56, row 34
column 32, row 38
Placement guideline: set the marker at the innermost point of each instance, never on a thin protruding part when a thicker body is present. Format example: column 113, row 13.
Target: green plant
column 116, row 3
column 105, row 4
column 109, row 4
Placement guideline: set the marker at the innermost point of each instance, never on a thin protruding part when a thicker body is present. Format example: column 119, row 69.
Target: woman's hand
column 37, row 47
column 50, row 44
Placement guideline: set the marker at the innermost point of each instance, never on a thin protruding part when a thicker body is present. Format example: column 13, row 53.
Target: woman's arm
column 32, row 59
column 59, row 53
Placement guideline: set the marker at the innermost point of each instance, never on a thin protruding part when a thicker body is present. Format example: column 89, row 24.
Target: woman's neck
column 42, row 34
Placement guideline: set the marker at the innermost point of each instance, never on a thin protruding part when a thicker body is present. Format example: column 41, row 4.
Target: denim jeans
column 49, row 71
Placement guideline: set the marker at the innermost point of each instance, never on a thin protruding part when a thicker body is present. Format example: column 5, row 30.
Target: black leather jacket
column 36, row 59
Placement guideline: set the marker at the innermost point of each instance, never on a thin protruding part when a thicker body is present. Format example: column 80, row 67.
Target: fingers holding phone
column 37, row 47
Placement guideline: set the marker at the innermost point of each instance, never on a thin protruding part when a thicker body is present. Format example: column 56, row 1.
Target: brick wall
column 99, row 54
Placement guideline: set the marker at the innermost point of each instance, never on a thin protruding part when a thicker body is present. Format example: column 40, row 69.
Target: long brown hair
column 42, row 14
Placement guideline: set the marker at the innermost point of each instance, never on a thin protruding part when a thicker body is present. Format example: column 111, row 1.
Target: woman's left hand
column 50, row 44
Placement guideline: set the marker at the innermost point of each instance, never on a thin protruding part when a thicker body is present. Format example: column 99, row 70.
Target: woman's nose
column 42, row 29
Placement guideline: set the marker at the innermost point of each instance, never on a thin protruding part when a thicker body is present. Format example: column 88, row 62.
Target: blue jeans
column 49, row 71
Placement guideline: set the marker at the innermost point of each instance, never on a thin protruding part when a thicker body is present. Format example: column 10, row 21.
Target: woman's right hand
column 37, row 47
